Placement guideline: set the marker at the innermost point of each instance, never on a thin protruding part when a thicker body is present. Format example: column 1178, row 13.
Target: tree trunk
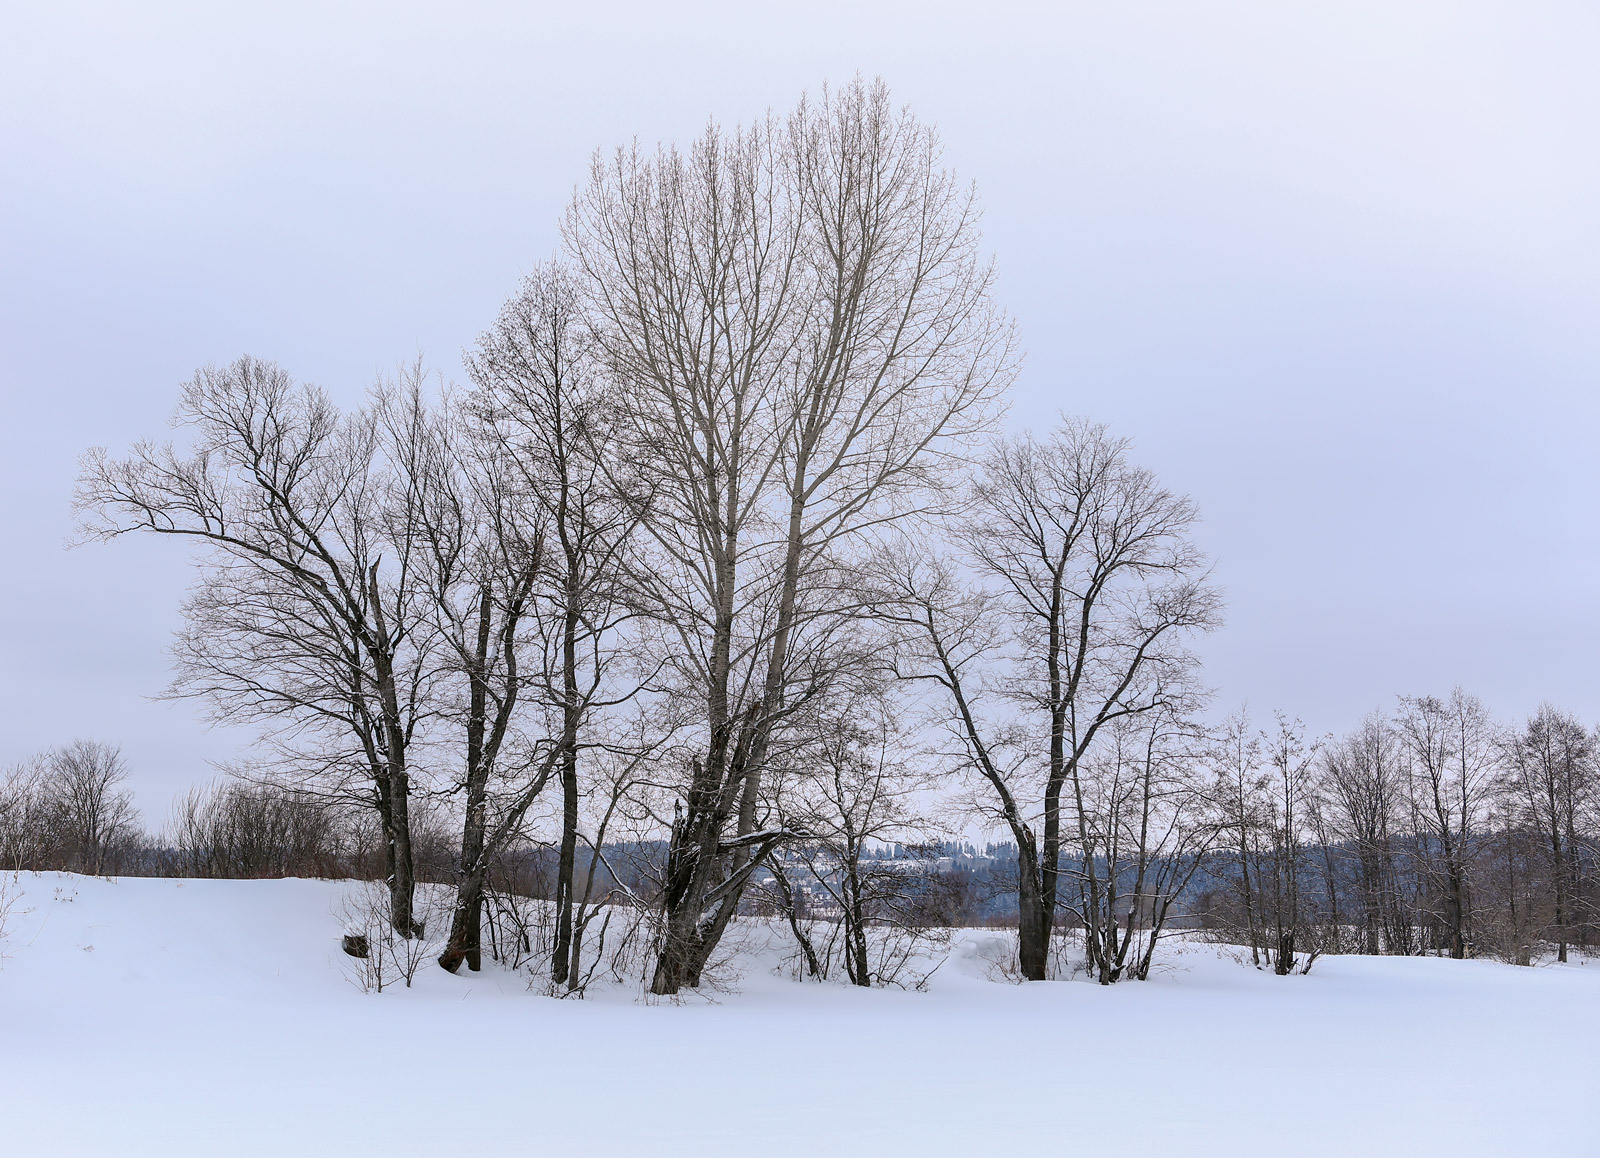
column 1249, row 895
column 791, row 911
column 856, row 924
column 1033, row 920
column 1283, row 963
column 466, row 926
column 1562, row 903
column 692, row 862
column 1458, row 906
column 564, row 954
column 692, row 854
column 466, row 919
column 472, row 867
column 563, row 967
column 402, row 875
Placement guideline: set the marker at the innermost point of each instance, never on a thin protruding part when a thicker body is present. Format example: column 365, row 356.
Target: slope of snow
column 216, row 1017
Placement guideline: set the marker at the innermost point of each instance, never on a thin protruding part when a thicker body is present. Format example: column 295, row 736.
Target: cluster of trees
column 716, row 556
column 626, row 566
column 68, row 809
column 1431, row 830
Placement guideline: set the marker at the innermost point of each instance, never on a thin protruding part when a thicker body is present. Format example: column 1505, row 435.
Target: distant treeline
column 1337, row 856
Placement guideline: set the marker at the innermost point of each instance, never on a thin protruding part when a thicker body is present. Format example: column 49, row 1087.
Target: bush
column 240, row 830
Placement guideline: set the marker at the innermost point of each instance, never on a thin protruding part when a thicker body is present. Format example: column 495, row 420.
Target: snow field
column 148, row 1016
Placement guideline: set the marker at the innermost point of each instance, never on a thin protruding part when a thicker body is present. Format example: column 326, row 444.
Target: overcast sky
column 1335, row 268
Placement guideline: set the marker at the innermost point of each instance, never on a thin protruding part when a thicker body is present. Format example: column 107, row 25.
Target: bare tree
column 304, row 621
column 1292, row 759
column 800, row 323
column 1149, row 820
column 1266, row 792
column 857, row 786
column 1363, row 784
column 598, row 893
column 94, row 813
column 550, row 418
column 1094, row 587
column 1551, row 775
column 481, row 545
column 1241, row 786
column 1451, row 744
column 28, row 839
column 66, row 809
column 1511, row 880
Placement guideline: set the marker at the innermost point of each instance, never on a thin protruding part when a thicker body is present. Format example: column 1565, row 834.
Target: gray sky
column 1334, row 267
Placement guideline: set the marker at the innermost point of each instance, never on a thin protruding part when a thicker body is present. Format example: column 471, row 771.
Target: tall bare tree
column 1094, row 587
column 305, row 621
column 800, row 323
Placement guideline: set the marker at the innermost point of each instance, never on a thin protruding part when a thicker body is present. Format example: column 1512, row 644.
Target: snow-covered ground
column 216, row 1018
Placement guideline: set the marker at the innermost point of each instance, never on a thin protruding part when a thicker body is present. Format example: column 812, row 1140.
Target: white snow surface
column 168, row 1017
